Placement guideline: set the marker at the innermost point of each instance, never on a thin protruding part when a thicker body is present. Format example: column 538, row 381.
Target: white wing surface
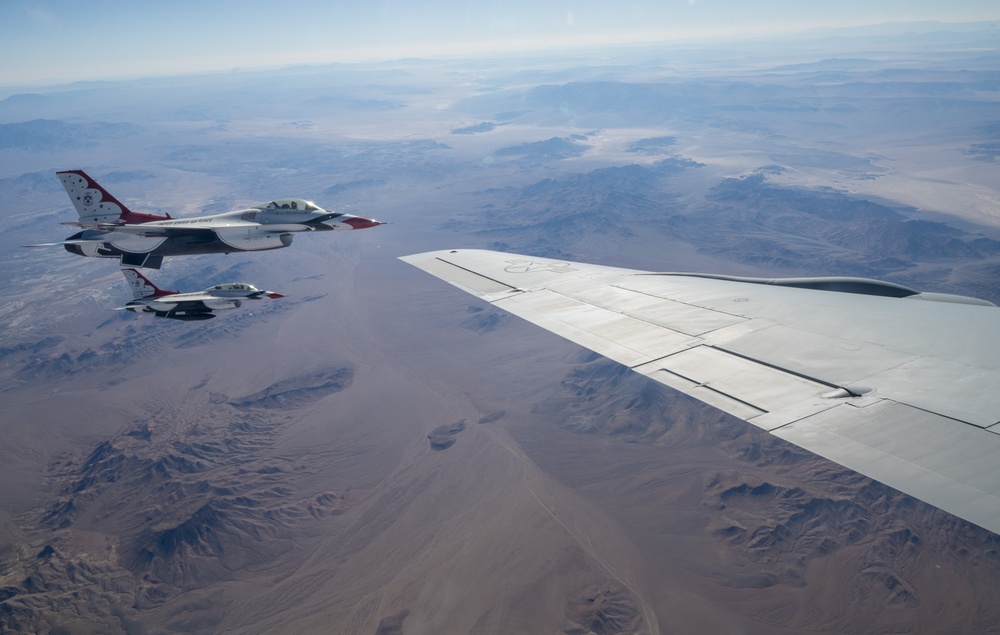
column 898, row 385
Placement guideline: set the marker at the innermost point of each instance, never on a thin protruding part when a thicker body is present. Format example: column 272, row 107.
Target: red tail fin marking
column 157, row 292
column 127, row 215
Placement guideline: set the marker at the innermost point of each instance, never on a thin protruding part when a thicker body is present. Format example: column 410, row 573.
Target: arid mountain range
column 378, row 453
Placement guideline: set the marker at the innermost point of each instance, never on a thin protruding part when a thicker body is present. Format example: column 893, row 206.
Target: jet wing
column 183, row 305
column 65, row 242
column 185, row 310
column 148, row 230
column 899, row 385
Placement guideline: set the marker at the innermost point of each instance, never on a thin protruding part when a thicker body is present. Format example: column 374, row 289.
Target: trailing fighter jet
column 147, row 298
column 112, row 230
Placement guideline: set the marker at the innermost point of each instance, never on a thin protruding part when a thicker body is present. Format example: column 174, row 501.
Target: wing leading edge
column 896, row 384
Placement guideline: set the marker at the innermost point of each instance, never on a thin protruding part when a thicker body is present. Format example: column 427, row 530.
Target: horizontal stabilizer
column 142, row 260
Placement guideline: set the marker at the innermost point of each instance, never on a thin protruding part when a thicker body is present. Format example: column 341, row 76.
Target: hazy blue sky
column 46, row 41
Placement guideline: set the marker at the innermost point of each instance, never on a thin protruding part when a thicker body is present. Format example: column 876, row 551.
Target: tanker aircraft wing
column 899, row 385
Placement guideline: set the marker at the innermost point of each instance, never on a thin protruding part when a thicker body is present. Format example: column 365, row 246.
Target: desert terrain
column 378, row 452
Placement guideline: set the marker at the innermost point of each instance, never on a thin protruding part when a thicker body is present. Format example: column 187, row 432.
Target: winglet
column 94, row 204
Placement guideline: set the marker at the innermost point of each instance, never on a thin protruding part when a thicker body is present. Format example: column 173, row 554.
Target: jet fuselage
column 111, row 230
column 198, row 305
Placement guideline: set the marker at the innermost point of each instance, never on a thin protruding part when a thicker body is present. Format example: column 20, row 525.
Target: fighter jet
column 112, row 230
column 147, row 298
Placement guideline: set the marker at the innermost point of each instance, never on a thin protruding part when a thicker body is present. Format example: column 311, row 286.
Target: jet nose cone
column 273, row 295
column 359, row 222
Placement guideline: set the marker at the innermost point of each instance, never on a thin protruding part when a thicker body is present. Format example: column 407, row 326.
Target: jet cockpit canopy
column 291, row 203
column 235, row 286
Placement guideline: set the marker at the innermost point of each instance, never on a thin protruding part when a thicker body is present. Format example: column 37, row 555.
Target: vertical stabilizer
column 95, row 205
column 141, row 286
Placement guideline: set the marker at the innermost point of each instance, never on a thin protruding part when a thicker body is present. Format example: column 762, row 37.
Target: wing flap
column 836, row 360
column 466, row 280
column 959, row 391
column 524, row 273
column 677, row 316
column 519, row 285
column 939, row 460
column 766, row 390
column 622, row 338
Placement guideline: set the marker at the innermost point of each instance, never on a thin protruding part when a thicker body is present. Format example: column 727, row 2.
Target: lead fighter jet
column 112, row 230
column 147, row 298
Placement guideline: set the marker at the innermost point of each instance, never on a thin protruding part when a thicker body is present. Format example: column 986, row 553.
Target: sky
column 55, row 41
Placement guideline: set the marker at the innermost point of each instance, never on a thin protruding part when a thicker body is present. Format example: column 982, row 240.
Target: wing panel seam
column 476, row 273
column 689, row 304
column 626, row 315
column 782, row 369
column 697, row 384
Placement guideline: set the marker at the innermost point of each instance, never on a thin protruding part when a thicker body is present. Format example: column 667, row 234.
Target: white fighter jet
column 147, row 298
column 112, row 230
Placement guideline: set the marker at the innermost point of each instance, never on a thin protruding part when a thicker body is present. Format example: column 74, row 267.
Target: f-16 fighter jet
column 147, row 298
column 112, row 230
